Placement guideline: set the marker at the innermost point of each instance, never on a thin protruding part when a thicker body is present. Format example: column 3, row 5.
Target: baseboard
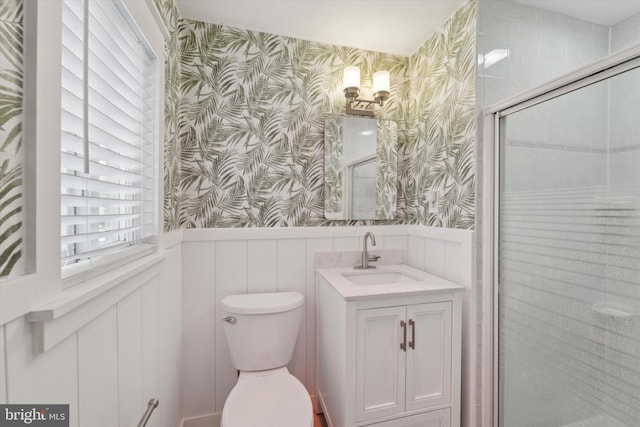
column 209, row 420
column 320, row 409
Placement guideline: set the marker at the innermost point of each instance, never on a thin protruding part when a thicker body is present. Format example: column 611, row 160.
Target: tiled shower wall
column 583, row 145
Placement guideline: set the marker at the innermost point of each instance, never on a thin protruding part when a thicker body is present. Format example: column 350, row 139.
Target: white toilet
column 261, row 331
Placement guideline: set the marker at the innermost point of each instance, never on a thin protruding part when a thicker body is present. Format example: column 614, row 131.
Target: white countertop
column 426, row 284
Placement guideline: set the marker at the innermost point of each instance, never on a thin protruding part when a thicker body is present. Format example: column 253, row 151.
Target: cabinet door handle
column 412, row 343
column 403, row 344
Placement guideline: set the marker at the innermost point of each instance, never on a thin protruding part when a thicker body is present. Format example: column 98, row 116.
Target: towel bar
column 151, row 405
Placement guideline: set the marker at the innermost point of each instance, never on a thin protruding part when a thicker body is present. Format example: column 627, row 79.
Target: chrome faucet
column 366, row 258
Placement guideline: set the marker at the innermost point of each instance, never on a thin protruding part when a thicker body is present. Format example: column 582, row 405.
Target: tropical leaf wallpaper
column 254, row 107
column 11, row 89
column 172, row 102
column 441, row 149
column 333, row 179
column 245, row 116
column 387, row 169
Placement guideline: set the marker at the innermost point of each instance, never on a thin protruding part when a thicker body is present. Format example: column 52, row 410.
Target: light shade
column 381, row 82
column 351, row 77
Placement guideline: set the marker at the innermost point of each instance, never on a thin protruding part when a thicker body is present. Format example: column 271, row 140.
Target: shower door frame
column 488, row 155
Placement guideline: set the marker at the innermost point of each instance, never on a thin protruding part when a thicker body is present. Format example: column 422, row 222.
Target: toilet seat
column 274, row 400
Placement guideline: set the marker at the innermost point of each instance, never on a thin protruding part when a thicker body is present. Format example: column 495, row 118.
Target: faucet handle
column 374, row 258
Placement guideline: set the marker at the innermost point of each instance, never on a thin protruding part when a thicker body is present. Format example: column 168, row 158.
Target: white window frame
column 76, row 273
column 43, row 46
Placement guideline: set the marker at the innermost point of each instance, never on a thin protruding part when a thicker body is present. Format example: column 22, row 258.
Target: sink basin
column 374, row 277
column 388, row 280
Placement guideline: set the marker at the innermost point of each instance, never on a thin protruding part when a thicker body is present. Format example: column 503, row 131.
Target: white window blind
column 107, row 148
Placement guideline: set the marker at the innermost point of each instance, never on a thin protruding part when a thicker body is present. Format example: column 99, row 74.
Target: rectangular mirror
column 360, row 168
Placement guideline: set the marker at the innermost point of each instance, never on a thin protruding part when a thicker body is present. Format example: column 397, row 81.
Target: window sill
column 53, row 322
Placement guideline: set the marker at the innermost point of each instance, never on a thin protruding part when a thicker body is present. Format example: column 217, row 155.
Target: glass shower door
column 569, row 259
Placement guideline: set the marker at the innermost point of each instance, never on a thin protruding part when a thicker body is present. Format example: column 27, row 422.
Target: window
column 107, row 137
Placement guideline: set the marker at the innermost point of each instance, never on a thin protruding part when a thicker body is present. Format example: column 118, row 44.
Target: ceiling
column 392, row 26
column 605, row 12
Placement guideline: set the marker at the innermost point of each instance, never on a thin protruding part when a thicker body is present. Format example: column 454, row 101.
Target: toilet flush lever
column 230, row 319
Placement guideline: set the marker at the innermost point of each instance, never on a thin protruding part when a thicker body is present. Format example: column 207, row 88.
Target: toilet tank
column 262, row 329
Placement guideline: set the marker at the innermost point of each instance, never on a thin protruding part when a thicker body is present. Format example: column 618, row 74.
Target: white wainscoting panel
column 415, row 252
column 394, row 242
column 198, row 337
column 169, row 324
column 113, row 353
column 150, row 342
column 292, row 277
column 231, row 278
column 50, row 377
column 434, row 256
column 253, row 260
column 457, row 257
column 98, row 371
column 130, row 376
column 220, row 262
column 262, row 269
column 347, row 243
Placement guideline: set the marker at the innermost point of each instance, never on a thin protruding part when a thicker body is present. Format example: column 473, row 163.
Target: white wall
column 108, row 363
column 219, row 262
column 163, row 337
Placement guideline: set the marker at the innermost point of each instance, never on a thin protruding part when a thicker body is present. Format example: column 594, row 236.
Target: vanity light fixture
column 364, row 107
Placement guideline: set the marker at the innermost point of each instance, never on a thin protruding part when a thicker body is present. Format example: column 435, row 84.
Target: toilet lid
column 269, row 401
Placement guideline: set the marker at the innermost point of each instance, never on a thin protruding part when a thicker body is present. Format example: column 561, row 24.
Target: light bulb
column 351, row 77
column 381, row 81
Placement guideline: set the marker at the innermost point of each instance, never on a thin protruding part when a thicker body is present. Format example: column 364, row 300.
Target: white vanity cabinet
column 389, row 360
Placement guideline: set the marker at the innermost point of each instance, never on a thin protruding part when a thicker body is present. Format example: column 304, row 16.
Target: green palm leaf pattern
column 172, row 103
column 11, row 96
column 441, row 149
column 245, row 113
column 334, row 137
column 387, row 171
column 252, row 135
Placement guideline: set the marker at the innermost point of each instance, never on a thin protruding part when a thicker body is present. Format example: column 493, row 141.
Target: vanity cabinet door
column 380, row 362
column 429, row 355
